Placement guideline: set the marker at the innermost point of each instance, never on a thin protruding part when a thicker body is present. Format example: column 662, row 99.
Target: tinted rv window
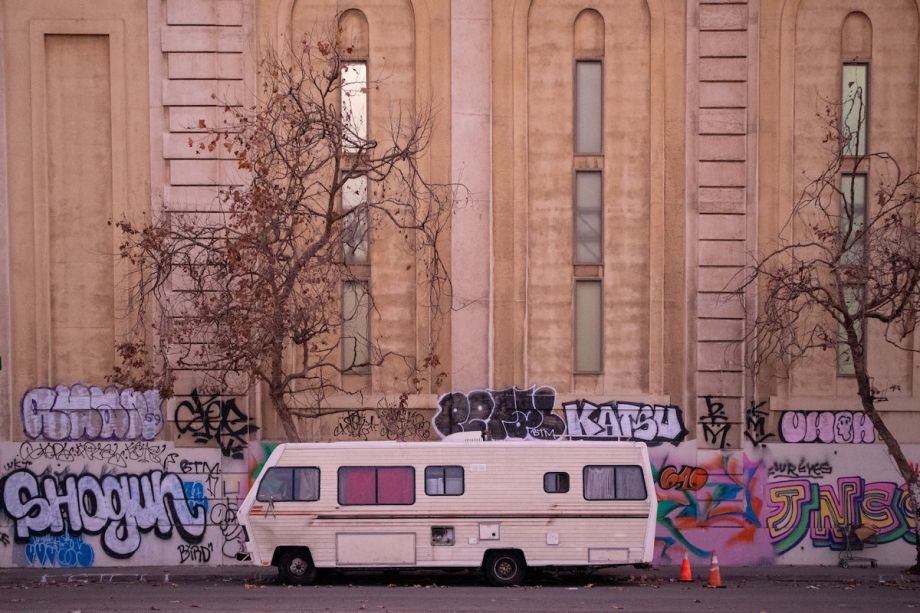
column 276, row 485
column 285, row 484
column 306, row 484
column 376, row 485
column 556, row 483
column 614, row 483
column 630, row 483
column 444, row 480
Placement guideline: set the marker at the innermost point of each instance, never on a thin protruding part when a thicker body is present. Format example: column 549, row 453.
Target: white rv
column 460, row 503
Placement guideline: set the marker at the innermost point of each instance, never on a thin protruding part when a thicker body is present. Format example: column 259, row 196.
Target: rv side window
column 286, row 484
column 376, row 485
column 555, row 483
column 306, row 484
column 276, row 485
column 444, row 480
column 614, row 483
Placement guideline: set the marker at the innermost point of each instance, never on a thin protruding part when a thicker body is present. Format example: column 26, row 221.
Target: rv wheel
column 504, row 568
column 296, row 567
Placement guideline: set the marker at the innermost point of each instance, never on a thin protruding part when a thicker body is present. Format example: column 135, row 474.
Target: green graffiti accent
column 266, row 448
column 665, row 508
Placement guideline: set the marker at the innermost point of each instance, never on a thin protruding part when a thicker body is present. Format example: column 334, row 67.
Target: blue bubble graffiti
column 62, row 551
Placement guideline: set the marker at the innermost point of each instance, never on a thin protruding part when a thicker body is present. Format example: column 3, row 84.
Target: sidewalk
column 251, row 574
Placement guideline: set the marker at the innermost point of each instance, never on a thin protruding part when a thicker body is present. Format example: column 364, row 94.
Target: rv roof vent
column 464, row 437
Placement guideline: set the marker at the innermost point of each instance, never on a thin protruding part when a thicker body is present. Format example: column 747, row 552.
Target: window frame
column 575, row 113
column 348, row 365
column 615, row 467
column 443, row 468
column 293, row 484
column 575, row 211
column 360, row 221
column 347, row 146
column 557, row 474
column 600, row 332
column 376, row 502
column 845, row 363
column 864, row 141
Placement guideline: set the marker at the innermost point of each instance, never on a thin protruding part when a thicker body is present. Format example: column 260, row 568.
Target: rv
column 501, row 506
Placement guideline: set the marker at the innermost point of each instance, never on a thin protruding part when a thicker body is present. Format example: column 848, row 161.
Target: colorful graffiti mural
column 823, row 512
column 720, row 510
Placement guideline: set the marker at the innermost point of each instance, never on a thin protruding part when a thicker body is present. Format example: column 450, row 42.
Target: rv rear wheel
column 504, row 568
column 296, row 567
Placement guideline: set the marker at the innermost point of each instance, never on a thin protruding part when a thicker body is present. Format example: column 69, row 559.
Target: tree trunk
column 276, row 394
column 894, row 450
column 287, row 422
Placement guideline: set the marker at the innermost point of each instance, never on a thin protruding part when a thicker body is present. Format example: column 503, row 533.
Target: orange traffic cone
column 685, row 574
column 715, row 577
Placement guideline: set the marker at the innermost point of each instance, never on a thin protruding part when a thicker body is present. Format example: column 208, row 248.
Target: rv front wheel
column 296, row 567
column 504, row 568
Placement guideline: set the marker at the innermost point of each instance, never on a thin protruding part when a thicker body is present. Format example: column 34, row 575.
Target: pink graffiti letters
column 119, row 507
column 825, row 427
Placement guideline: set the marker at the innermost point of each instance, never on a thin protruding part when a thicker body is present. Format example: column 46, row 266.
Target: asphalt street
column 766, row 589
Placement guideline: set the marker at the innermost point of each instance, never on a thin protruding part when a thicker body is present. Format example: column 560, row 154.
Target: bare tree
column 254, row 293
column 845, row 268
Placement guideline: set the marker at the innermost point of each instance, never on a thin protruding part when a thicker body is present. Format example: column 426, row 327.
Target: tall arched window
column 588, row 164
column 354, row 41
column 856, row 55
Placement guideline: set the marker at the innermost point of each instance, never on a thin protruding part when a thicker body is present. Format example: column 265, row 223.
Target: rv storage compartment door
column 368, row 549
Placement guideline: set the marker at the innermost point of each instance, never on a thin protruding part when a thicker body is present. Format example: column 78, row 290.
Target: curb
column 25, row 576
column 731, row 575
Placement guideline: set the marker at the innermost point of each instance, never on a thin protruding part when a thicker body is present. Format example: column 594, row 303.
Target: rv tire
column 504, row 568
column 296, row 567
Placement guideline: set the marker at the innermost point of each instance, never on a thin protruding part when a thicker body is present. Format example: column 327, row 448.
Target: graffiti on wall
column 755, row 424
column 89, row 413
column 800, row 509
column 802, row 468
column 62, row 551
column 119, row 507
column 511, row 413
column 197, row 554
column 652, row 424
column 215, row 419
column 386, row 424
column 826, row 427
column 683, row 478
column 722, row 513
column 528, row 414
column 112, row 454
column 715, row 423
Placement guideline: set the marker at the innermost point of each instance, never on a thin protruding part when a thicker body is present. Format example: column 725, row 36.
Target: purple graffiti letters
column 825, row 427
column 623, row 421
column 79, row 412
column 120, row 507
column 510, row 413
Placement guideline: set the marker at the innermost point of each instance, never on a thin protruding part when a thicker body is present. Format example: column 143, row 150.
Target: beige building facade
column 624, row 160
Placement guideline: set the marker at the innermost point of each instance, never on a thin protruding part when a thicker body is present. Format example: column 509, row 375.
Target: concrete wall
column 70, row 490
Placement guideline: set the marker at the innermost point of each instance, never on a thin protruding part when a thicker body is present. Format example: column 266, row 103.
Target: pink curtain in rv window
column 395, row 485
column 357, row 485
